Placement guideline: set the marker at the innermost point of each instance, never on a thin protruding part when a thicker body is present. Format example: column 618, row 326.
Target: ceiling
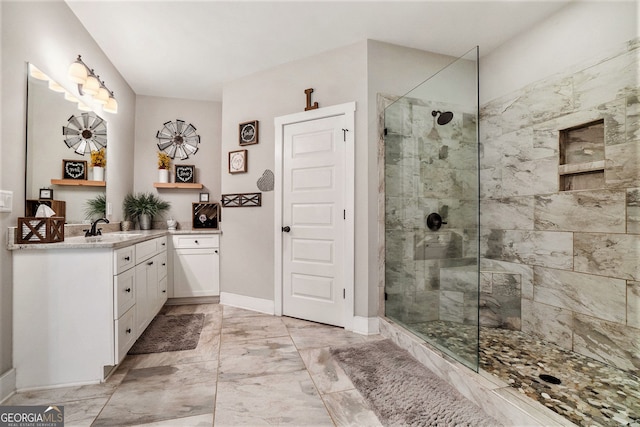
column 190, row 49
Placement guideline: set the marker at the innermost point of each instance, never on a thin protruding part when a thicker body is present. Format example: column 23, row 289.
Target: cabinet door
column 146, row 293
column 196, row 272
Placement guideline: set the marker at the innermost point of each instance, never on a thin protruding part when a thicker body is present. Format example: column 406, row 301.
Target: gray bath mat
column 170, row 333
column 402, row 391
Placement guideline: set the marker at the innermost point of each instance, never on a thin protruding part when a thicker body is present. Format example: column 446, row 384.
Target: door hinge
column 344, row 293
column 344, row 214
column 386, row 296
column 385, row 131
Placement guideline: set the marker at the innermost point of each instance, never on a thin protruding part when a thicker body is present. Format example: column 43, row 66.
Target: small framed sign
column 204, row 197
column 237, row 161
column 74, row 169
column 46, row 194
column 206, row 215
column 185, row 173
column 249, row 133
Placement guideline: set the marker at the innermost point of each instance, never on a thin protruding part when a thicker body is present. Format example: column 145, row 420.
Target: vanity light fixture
column 89, row 83
column 36, row 73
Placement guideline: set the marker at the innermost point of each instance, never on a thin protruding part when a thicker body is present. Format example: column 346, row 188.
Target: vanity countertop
column 115, row 240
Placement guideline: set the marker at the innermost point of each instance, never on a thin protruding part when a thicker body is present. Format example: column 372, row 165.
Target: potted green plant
column 142, row 207
column 96, row 207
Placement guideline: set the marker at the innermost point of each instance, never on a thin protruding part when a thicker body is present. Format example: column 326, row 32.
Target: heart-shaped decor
column 265, row 182
column 184, row 174
column 74, row 170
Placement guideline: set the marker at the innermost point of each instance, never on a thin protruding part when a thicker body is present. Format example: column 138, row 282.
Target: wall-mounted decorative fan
column 85, row 133
column 178, row 139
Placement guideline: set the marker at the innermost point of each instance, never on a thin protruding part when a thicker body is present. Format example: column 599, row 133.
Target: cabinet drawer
column 124, row 259
column 125, row 333
column 145, row 250
column 196, row 241
column 161, row 244
column 123, row 292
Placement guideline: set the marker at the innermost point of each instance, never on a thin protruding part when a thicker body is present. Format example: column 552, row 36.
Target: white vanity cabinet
column 77, row 307
column 151, row 280
column 196, row 265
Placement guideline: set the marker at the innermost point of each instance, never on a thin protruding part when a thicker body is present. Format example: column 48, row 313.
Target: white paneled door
column 313, row 219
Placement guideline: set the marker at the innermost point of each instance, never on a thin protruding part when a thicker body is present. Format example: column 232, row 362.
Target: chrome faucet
column 93, row 231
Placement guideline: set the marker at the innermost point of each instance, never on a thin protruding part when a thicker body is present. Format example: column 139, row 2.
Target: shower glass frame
column 431, row 277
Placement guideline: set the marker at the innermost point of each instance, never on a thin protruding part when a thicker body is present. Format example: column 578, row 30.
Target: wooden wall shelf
column 177, row 185
column 78, row 182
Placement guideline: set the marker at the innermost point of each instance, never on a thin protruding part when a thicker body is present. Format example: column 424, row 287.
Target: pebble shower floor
column 590, row 393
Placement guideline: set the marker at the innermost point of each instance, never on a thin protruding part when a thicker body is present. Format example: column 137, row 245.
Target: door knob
column 286, row 229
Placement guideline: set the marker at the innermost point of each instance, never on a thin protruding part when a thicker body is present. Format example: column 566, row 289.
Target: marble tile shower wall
column 576, row 253
column 429, row 168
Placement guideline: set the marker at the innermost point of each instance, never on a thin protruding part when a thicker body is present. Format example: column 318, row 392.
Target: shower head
column 445, row 117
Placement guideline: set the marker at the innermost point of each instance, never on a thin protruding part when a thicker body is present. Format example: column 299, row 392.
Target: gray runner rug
column 402, row 391
column 170, row 333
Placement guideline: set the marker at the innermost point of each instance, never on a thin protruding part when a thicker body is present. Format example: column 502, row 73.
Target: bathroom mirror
column 49, row 110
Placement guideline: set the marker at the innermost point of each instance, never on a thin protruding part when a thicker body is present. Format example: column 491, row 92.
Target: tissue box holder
column 40, row 230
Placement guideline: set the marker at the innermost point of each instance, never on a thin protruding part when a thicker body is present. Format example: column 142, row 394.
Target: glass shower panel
column 432, row 210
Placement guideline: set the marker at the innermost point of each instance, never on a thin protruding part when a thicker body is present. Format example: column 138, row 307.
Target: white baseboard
column 7, row 384
column 249, row 303
column 193, row 300
column 366, row 325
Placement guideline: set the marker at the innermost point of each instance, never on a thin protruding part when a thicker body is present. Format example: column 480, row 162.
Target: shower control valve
column 434, row 221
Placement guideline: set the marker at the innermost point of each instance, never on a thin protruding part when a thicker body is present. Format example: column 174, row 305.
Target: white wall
column 337, row 77
column 49, row 35
column 151, row 114
column 352, row 73
column 578, row 32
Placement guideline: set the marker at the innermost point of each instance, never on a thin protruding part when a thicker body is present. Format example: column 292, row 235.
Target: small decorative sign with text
column 74, row 169
column 185, row 173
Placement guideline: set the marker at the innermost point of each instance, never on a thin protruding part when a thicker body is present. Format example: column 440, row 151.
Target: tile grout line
column 215, row 394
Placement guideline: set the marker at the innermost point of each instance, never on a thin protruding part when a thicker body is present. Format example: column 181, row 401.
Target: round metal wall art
column 85, row 133
column 178, row 139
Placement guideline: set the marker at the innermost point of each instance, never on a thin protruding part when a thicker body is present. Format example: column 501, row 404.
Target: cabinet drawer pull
column 128, row 330
column 164, row 291
column 150, row 263
column 164, row 263
column 127, row 258
column 128, row 290
column 196, row 242
column 216, row 251
column 164, row 244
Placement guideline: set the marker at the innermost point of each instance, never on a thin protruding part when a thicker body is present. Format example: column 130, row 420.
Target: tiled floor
column 248, row 369
column 591, row 393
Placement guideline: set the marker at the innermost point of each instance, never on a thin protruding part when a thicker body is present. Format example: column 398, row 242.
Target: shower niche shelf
column 582, row 157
